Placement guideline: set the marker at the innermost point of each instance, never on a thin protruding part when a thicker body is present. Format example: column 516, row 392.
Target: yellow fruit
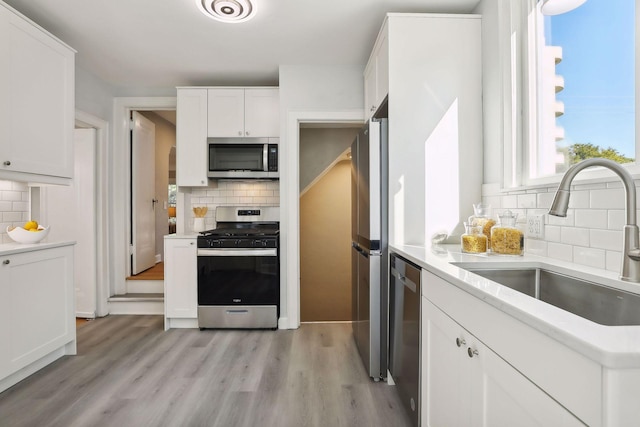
column 34, row 229
column 31, row 225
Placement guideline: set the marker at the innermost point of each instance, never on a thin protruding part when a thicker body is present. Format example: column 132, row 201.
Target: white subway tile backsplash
column 591, row 218
column 591, row 234
column 607, row 199
column 13, row 216
column 589, row 256
column 575, row 236
column 568, row 221
column 605, row 239
column 527, row 201
column 544, row 200
column 11, row 195
column 509, row 202
column 613, row 261
column 560, row 251
column 536, row 247
column 234, row 193
column 552, row 233
column 579, row 200
column 616, row 219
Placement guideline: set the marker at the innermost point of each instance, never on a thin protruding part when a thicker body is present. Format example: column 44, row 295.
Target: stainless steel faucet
column 630, row 240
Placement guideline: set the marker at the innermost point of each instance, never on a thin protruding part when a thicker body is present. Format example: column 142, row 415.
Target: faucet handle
column 634, row 254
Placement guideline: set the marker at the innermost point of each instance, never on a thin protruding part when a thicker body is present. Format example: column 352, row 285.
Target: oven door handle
column 237, row 252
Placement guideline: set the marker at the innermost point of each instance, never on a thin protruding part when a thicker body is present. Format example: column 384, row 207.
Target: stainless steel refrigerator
column 369, row 246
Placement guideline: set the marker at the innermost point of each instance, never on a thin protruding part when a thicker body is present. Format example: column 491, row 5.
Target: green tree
column 579, row 152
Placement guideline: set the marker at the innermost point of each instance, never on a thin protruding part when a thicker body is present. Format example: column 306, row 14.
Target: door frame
column 290, row 206
column 103, row 252
column 121, row 177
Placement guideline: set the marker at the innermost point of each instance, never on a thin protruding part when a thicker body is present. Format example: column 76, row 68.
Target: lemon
column 34, row 229
column 31, row 225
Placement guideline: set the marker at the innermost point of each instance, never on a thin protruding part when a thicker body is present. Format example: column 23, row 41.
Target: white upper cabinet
column 36, row 102
column 191, row 137
column 243, row 112
column 376, row 74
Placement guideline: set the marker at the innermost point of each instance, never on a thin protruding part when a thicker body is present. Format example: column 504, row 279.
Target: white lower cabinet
column 180, row 282
column 37, row 315
column 464, row 383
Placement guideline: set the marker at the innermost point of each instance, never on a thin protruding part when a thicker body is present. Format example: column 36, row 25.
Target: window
column 581, row 86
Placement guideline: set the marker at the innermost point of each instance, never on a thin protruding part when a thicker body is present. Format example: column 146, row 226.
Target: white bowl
column 20, row 235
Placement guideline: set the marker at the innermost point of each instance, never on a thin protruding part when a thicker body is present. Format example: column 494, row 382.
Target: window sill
column 591, row 176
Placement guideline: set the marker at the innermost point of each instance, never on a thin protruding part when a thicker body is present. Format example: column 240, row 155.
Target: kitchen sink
column 598, row 303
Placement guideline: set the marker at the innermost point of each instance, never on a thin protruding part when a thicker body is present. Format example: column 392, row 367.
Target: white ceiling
column 167, row 43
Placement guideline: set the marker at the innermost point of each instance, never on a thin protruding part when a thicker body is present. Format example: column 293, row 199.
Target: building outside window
column 581, row 86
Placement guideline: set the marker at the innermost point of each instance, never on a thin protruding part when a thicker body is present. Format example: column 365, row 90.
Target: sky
column 598, row 66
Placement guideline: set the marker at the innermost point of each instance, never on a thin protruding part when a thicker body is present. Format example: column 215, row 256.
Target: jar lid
column 508, row 218
column 481, row 209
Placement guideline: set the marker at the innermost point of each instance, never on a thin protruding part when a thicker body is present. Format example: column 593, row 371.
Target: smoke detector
column 227, row 10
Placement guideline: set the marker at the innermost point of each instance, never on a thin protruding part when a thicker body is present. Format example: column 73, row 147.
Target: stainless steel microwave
column 243, row 158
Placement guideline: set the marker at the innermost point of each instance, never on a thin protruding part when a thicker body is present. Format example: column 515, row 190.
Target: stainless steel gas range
column 239, row 269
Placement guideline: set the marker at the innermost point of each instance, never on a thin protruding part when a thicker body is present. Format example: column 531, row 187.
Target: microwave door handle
column 265, row 157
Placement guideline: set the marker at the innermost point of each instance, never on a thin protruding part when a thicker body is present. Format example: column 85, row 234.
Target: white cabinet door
column 181, row 278
column 40, row 304
column 370, row 90
column 464, row 383
column 226, row 113
column 36, row 100
column 446, row 395
column 382, row 69
column 261, row 112
column 191, row 138
column 503, row 396
column 5, row 316
column 376, row 77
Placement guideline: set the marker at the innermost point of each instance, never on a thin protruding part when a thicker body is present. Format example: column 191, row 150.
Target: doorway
column 325, row 222
column 153, row 137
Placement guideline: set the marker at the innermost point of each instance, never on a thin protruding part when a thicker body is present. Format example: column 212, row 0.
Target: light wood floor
column 154, row 273
column 128, row 372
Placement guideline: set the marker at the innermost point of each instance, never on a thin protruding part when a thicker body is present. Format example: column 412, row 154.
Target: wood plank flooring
column 129, row 372
column 154, row 273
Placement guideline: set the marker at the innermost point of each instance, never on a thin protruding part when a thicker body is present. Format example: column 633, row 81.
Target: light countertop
column 16, row 248
column 193, row 235
column 611, row 346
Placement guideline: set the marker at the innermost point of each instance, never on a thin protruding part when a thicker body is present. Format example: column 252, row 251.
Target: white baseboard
column 158, row 258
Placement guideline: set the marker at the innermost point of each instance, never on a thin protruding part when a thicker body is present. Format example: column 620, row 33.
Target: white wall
column 307, row 94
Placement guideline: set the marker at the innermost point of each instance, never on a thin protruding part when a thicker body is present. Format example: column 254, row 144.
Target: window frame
column 520, row 129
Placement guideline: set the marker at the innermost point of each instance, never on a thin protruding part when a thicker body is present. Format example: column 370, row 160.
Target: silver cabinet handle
column 472, row 351
column 373, row 108
column 7, row 163
column 460, row 342
column 247, row 133
column 6, row 262
column 239, row 133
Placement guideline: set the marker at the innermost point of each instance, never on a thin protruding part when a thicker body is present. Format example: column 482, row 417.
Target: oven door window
column 238, row 280
column 232, row 157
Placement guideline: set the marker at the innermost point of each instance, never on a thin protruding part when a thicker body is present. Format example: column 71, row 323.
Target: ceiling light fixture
column 227, row 10
column 557, row 7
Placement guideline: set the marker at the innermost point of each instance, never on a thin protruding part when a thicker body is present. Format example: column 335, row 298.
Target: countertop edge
column 611, row 346
column 17, row 248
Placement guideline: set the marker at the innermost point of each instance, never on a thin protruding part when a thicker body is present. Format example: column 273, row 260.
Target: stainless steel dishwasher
column 404, row 332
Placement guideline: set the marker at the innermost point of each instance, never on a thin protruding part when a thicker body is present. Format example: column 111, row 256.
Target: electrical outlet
column 535, row 226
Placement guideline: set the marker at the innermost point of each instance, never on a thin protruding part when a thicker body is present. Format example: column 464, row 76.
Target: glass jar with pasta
column 506, row 239
column 482, row 217
column 473, row 241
